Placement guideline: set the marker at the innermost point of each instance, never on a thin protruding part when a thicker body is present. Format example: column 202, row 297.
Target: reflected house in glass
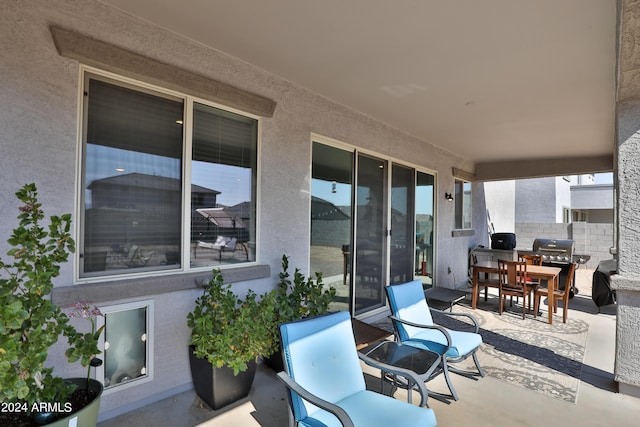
column 323, row 210
column 327, row 222
column 135, row 221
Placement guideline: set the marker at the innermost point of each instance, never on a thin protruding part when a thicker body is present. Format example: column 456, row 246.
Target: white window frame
column 106, row 310
column 186, row 177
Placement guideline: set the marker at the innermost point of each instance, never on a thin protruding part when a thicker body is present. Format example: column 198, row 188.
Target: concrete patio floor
column 487, row 402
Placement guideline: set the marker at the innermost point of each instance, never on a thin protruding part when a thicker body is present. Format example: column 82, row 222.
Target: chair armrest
column 442, row 329
column 405, row 373
column 340, row 413
column 472, row 318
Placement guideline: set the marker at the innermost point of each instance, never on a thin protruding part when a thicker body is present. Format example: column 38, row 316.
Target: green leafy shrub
column 29, row 322
column 230, row 331
column 301, row 298
column 304, row 297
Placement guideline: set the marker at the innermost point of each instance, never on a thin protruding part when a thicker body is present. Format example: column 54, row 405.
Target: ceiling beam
column 538, row 168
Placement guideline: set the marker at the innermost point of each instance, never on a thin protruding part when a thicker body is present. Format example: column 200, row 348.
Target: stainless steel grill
column 554, row 250
column 558, row 253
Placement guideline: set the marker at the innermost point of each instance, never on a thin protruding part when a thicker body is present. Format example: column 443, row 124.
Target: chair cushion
column 463, row 343
column 370, row 409
column 321, row 356
column 407, row 302
column 221, row 241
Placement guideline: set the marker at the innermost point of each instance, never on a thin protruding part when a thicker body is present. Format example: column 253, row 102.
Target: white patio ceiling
column 487, row 80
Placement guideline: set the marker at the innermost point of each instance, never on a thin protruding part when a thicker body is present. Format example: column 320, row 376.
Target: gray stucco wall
column 39, row 142
column 542, row 207
column 627, row 281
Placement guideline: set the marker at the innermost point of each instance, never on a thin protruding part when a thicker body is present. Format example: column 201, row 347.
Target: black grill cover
column 601, row 292
column 503, row 241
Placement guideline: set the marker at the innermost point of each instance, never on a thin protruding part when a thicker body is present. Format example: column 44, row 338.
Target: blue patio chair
column 414, row 325
column 326, row 383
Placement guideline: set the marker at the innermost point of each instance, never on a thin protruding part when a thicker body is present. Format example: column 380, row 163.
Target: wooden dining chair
column 558, row 295
column 512, row 278
column 486, row 282
column 531, row 259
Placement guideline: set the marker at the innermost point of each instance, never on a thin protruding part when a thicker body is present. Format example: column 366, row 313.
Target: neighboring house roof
column 241, row 210
column 141, row 180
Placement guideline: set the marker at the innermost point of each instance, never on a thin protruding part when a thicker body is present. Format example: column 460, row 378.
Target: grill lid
column 555, row 250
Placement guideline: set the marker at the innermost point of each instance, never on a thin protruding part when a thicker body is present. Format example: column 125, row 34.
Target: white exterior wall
column 563, row 197
column 39, row 142
column 501, row 205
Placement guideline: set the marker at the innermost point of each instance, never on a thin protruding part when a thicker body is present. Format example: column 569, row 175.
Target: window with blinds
column 167, row 182
column 462, row 190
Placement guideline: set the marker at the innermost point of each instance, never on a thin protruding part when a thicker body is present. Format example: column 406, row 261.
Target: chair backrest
column 569, row 282
column 320, row 354
column 512, row 274
column 407, row 302
column 531, row 259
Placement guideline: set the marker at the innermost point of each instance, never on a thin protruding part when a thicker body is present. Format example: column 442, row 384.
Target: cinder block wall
column 590, row 239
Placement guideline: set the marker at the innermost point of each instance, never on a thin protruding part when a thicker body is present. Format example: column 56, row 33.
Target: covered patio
column 488, row 402
column 463, row 93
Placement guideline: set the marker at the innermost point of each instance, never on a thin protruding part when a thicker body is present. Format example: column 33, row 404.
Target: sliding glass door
column 371, row 234
column 401, row 259
column 371, row 225
column 331, row 219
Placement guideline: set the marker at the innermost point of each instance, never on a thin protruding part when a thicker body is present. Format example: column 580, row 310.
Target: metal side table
column 423, row 365
column 442, row 298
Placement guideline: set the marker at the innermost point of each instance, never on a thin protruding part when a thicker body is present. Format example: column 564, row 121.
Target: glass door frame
column 389, row 163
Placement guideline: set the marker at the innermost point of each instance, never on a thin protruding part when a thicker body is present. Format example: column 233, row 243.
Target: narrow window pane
column 463, row 204
column 132, row 181
column 223, row 176
column 424, row 228
column 466, row 216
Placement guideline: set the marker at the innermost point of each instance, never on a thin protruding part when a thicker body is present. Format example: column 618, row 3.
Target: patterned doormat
column 529, row 353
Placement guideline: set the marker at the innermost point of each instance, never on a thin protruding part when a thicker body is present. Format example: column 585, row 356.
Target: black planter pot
column 219, row 387
column 275, row 360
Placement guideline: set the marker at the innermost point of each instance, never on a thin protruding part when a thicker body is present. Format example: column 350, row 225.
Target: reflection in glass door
column 401, row 263
column 331, row 225
column 391, row 241
column 371, row 231
column 424, row 228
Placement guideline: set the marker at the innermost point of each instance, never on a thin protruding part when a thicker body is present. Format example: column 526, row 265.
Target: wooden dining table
column 542, row 272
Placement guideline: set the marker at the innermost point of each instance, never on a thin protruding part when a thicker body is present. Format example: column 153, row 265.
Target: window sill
column 463, row 233
column 100, row 292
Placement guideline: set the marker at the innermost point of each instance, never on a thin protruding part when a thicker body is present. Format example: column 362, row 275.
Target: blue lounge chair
column 414, row 325
column 326, row 383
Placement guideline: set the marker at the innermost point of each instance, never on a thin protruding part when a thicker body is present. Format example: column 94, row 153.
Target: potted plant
column 30, row 323
column 303, row 297
column 228, row 334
